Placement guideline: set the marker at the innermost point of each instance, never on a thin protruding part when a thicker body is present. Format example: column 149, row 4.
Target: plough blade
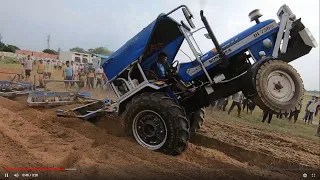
column 89, row 111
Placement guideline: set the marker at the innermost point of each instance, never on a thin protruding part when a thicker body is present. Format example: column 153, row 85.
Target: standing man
column 82, row 78
column 59, row 64
column 318, row 130
column 105, row 81
column 265, row 115
column 49, row 69
column 225, row 102
column 90, row 76
column 251, row 106
column 40, row 72
column 99, row 73
column 312, row 109
column 295, row 113
column 236, row 101
column 306, row 114
column 28, row 67
column 74, row 71
column 245, row 102
column 67, row 74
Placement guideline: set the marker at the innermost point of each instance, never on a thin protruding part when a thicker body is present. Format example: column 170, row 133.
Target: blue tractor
column 162, row 100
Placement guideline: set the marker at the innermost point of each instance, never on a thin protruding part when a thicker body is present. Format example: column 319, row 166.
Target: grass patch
column 9, row 65
column 277, row 125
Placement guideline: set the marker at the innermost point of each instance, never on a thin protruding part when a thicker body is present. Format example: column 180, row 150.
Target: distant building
column 97, row 58
column 37, row 54
column 75, row 56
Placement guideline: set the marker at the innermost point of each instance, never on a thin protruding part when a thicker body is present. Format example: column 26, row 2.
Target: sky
column 110, row 23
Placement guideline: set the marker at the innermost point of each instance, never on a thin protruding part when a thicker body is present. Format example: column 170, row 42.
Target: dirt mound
column 37, row 138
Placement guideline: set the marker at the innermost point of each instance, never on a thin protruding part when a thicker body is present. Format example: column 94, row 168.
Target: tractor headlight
column 267, row 43
column 262, row 54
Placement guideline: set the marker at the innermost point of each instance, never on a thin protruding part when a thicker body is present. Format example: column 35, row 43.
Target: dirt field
column 222, row 150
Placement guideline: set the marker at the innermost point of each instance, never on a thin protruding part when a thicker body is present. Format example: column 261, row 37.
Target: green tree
column 50, row 51
column 78, row 49
column 100, row 50
column 8, row 48
column 2, row 45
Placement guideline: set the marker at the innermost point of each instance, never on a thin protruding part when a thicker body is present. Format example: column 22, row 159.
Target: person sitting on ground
column 40, row 72
column 67, row 75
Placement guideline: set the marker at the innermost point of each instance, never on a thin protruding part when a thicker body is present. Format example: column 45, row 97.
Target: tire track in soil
column 57, row 132
column 51, row 125
column 13, row 154
column 296, row 142
column 218, row 161
column 238, row 173
column 292, row 149
column 123, row 153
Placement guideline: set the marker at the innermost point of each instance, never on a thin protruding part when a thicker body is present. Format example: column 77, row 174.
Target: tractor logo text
column 264, row 30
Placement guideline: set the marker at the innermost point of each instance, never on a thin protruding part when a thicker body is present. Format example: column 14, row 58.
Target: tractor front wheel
column 157, row 122
column 279, row 87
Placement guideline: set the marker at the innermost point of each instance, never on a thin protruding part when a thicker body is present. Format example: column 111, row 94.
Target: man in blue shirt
column 160, row 69
column 67, row 74
column 161, row 66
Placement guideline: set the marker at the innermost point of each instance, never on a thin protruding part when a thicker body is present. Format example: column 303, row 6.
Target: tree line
column 8, row 47
column 98, row 50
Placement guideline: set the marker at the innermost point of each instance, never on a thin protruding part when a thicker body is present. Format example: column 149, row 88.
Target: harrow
column 92, row 111
column 46, row 98
column 11, row 88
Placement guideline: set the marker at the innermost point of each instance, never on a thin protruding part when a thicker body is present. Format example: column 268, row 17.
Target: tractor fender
column 147, row 87
column 250, row 79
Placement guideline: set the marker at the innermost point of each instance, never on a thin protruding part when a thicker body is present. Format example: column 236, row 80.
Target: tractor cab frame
column 162, row 35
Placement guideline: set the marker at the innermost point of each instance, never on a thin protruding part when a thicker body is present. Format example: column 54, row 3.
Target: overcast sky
column 110, row 23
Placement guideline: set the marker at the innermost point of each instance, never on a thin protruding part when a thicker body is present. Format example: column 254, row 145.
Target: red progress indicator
column 38, row 169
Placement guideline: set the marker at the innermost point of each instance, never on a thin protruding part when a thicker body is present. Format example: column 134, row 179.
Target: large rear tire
column 197, row 120
column 157, row 122
column 279, row 87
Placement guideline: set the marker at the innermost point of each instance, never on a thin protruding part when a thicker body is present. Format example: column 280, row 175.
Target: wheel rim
column 149, row 129
column 280, row 86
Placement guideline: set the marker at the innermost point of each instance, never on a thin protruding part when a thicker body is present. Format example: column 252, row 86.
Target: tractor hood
column 161, row 33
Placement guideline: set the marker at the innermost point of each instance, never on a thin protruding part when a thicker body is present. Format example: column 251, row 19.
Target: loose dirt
column 37, row 138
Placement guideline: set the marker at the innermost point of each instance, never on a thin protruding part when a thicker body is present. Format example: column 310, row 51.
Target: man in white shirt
column 312, row 109
column 75, row 72
column 236, row 101
column 28, row 67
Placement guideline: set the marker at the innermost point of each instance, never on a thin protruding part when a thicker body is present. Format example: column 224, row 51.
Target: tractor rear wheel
column 197, row 120
column 157, row 122
column 279, row 87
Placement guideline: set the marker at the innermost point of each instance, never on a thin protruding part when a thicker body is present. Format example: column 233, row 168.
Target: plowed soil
column 37, row 138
